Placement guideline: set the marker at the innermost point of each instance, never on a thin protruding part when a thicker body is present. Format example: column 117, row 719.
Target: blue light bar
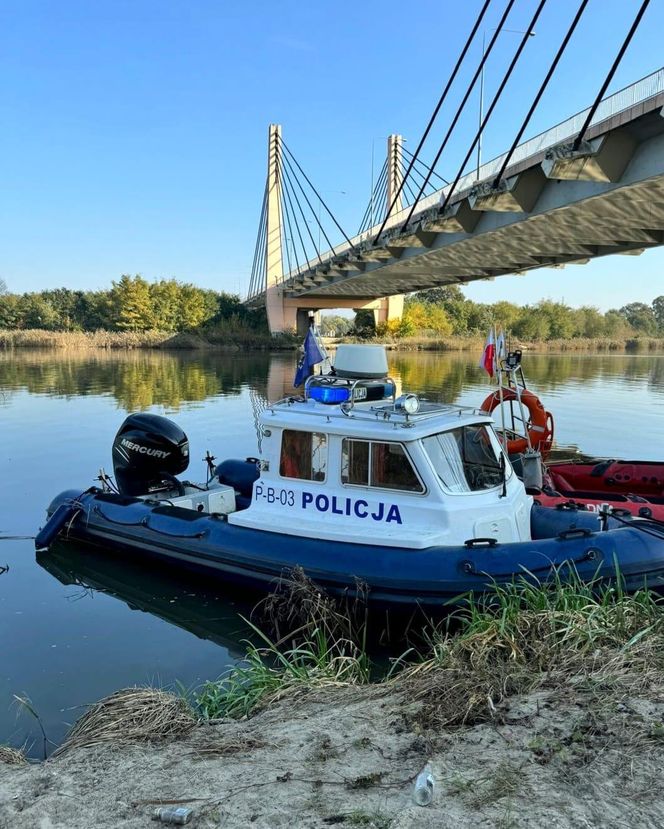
column 329, row 394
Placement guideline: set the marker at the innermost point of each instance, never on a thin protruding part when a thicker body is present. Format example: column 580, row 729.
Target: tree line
column 131, row 304
column 446, row 311
column 134, row 304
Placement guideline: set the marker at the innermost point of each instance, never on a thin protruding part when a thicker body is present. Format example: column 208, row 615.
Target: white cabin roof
column 370, row 419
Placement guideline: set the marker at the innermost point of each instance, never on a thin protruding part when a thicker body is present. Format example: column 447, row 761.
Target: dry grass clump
column 131, row 715
column 297, row 607
column 524, row 634
column 38, row 338
column 11, row 756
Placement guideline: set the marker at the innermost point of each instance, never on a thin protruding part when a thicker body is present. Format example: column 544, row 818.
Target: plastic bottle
column 424, row 785
column 173, row 814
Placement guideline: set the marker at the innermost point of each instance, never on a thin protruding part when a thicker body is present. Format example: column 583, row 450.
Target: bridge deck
column 553, row 207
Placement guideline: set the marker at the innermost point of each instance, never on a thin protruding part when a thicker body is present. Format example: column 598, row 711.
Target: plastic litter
column 424, row 786
column 173, row 814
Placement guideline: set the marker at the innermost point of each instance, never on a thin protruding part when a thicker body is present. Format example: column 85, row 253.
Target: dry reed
column 11, row 756
column 297, row 607
column 131, row 715
column 476, row 343
column 37, row 338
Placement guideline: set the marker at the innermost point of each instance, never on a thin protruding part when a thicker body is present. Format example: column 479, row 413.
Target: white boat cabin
column 352, row 462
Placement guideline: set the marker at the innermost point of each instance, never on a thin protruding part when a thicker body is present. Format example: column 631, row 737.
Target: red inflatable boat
column 609, row 476
column 635, row 486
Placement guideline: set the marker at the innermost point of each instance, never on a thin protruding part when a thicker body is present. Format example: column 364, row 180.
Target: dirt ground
column 348, row 757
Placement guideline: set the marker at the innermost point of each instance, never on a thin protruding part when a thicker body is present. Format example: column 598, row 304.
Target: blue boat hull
column 394, row 576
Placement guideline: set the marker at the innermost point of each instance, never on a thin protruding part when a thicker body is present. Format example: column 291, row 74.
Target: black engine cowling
column 148, row 451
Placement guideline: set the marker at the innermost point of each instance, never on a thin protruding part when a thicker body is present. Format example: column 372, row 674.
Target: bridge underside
column 560, row 207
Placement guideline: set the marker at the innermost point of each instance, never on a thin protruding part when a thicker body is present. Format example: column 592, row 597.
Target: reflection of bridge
column 558, row 201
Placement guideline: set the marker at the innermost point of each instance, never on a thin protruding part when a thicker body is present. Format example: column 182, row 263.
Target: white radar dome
column 368, row 362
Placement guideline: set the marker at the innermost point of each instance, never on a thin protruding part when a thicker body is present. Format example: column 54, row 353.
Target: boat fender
column 240, row 474
column 55, row 524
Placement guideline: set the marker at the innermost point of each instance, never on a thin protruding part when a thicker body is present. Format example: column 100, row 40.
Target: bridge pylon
column 287, row 314
column 278, row 320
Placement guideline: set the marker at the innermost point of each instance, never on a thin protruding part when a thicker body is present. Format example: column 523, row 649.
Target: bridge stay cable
column 318, row 196
column 287, row 187
column 374, row 208
column 373, row 200
column 424, row 165
column 306, row 198
column 257, row 247
column 418, row 177
column 380, row 205
column 262, row 224
column 492, row 106
column 411, row 192
column 610, row 74
column 441, row 100
column 283, row 219
column 461, row 107
column 381, row 202
column 261, row 270
column 292, row 192
column 290, row 238
column 542, row 89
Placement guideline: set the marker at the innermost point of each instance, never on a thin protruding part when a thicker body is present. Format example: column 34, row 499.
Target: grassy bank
column 236, row 337
column 464, row 343
column 511, row 703
column 233, row 338
column 507, row 642
column 504, row 642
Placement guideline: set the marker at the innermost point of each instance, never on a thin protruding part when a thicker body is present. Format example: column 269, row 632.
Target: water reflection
column 444, row 376
column 141, row 379
column 180, row 600
column 136, row 379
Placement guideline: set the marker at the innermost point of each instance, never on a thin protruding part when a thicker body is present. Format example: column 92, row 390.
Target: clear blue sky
column 134, row 133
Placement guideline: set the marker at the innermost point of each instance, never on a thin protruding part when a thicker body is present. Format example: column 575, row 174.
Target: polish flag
column 488, row 361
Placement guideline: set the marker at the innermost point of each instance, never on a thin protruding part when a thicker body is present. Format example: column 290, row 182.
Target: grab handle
column 481, row 542
column 575, row 532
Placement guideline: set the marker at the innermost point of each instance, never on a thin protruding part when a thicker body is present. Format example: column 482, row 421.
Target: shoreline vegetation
column 219, row 340
column 168, row 314
column 511, row 701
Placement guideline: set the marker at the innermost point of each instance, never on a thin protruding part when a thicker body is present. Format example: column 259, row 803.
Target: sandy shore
column 558, row 757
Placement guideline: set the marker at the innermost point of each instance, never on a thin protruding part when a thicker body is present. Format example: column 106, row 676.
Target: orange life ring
column 540, row 422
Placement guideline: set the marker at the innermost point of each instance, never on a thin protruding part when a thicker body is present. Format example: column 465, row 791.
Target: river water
column 75, row 626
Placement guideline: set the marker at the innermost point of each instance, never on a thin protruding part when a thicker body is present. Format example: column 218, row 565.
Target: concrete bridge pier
column 294, row 313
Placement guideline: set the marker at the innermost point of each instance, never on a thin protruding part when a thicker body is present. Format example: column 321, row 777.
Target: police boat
column 411, row 500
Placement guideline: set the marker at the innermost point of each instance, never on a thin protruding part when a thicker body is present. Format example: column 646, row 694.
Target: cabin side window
column 465, row 459
column 303, row 455
column 378, row 464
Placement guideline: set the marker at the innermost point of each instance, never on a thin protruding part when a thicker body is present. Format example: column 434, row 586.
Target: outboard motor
column 148, row 452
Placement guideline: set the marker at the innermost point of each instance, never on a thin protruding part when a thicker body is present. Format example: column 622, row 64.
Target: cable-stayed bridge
column 590, row 186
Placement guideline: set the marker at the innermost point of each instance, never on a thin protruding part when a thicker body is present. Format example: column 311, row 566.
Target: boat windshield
column 466, row 459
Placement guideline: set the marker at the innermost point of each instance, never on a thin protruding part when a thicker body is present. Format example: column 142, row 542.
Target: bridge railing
column 635, row 93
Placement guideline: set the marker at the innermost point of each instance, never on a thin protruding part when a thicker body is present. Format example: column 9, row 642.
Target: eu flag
column 310, row 356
